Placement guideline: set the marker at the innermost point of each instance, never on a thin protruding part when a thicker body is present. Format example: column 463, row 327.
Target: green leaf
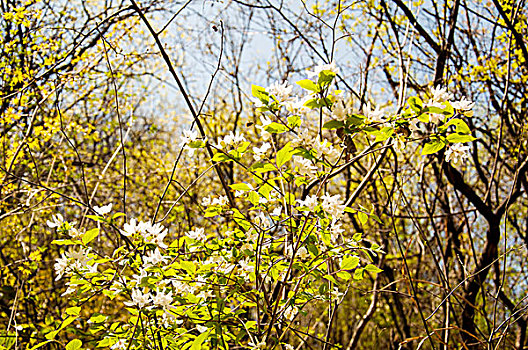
column 96, row 218
column 460, row 138
column 221, row 157
column 433, row 147
column 197, row 343
column 262, row 167
column 358, row 274
column 416, row 104
column 330, row 278
column 90, row 235
column 188, row 266
column 75, row 344
column 343, row 275
column 51, row 334
column 64, row 324
column 98, row 318
column 437, row 110
column 260, row 93
column 240, row 187
column 276, row 128
column 294, row 121
column 349, row 262
column 307, row 84
column 363, row 218
column 105, row 343
column 383, row 134
column 333, row 124
column 373, row 268
column 312, row 103
column 461, row 126
column 243, row 147
column 325, row 77
column 63, row 242
column 284, row 155
column 116, row 215
column 73, row 311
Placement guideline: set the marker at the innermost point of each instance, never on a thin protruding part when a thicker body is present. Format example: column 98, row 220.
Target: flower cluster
column 282, row 228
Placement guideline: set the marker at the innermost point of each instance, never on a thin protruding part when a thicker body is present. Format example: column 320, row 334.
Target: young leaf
column 276, row 128
column 373, row 268
column 349, row 262
column 307, row 84
column 433, row 147
column 284, row 155
column 197, row 343
column 240, row 187
column 460, row 138
column 73, row 311
column 221, row 157
column 363, row 218
column 333, row 124
column 75, row 344
column 90, row 235
column 461, row 126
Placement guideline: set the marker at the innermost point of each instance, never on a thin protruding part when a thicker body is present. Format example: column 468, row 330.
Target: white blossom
column 303, row 138
column 440, row 94
column 414, row 127
column 297, row 105
column 206, row 201
column 121, row 344
column 61, row 265
column 154, row 257
column 323, row 67
column 332, row 205
column 162, row 300
column 181, row 288
column 290, row 313
column 188, row 136
column 130, row 229
column 105, row 209
column 265, row 122
column 310, row 202
column 78, row 258
column 201, row 329
column 259, row 152
column 456, row 152
column 256, row 345
column 302, row 253
column 75, row 233
column 197, row 234
column 325, row 148
column 57, row 221
column 276, row 212
column 246, row 266
column 246, row 246
column 340, row 111
column 304, row 166
column 463, row 105
column 230, row 139
column 155, row 233
column 139, row 299
column 374, row 115
column 281, row 91
column 335, row 231
column 221, row 201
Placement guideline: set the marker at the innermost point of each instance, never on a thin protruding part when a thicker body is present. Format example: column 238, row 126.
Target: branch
column 185, row 97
